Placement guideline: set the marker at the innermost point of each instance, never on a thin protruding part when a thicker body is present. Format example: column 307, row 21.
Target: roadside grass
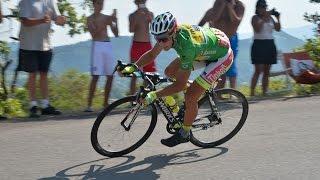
column 69, row 92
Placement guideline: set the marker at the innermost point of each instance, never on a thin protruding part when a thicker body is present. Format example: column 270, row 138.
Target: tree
column 313, row 45
column 313, row 18
column 76, row 23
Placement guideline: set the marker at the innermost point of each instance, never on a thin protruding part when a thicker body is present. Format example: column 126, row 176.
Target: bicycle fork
column 135, row 110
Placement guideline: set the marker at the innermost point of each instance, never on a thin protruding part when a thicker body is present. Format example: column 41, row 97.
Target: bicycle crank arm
column 205, row 125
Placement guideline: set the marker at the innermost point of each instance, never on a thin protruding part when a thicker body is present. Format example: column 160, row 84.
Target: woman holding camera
column 263, row 50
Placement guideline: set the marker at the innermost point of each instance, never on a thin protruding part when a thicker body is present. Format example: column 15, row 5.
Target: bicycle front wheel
column 123, row 127
column 221, row 115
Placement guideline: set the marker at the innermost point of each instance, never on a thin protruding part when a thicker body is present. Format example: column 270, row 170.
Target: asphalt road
column 280, row 140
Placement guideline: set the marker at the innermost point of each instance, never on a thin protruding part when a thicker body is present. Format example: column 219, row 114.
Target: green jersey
column 195, row 43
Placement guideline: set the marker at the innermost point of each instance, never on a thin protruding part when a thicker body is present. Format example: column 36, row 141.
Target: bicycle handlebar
column 155, row 79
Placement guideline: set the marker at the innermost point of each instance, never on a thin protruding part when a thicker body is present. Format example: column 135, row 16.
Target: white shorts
column 102, row 59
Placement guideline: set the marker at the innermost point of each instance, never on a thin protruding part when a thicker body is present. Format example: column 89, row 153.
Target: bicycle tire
column 103, row 116
column 245, row 109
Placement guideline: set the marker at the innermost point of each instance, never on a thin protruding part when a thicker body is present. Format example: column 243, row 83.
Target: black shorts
column 34, row 61
column 263, row 52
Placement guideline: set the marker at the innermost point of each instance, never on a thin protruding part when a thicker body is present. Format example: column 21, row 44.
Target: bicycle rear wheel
column 221, row 115
column 122, row 127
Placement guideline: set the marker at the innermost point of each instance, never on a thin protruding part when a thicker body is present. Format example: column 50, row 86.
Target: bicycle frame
column 167, row 112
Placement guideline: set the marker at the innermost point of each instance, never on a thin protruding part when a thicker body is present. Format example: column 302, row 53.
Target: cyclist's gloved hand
column 128, row 70
column 150, row 98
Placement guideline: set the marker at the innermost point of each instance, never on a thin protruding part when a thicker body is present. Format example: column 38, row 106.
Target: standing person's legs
column 109, row 65
column 44, row 85
column 29, row 63
column 32, row 88
column 45, row 58
column 233, row 82
column 107, row 90
column 96, row 69
column 265, row 78
column 92, row 89
column 44, row 64
column 255, row 77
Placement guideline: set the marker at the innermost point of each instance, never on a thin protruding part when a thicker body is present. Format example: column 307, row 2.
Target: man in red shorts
column 139, row 25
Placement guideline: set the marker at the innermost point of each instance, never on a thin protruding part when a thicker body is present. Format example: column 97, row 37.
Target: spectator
column 226, row 15
column 263, row 50
column 35, row 48
column 102, row 60
column 139, row 25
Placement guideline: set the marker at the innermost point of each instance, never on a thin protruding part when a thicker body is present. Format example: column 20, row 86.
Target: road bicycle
column 127, row 123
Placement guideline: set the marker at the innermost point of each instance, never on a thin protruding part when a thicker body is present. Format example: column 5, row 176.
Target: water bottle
column 171, row 102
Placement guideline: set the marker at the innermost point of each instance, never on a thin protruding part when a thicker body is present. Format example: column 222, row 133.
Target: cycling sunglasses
column 164, row 37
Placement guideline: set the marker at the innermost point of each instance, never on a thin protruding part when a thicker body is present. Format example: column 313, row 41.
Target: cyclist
column 197, row 47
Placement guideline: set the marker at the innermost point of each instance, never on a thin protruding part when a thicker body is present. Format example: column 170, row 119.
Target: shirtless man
column 139, row 25
column 102, row 60
column 226, row 15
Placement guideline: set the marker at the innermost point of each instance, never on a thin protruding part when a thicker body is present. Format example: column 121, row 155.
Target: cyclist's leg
column 214, row 70
column 204, row 82
column 172, row 69
column 211, row 73
column 192, row 95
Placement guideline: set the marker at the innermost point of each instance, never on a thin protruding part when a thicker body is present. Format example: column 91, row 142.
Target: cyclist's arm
column 182, row 77
column 149, row 56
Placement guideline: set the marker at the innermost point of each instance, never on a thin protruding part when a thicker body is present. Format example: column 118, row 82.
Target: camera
column 275, row 12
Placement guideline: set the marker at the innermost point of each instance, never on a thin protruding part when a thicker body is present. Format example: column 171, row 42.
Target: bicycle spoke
column 212, row 128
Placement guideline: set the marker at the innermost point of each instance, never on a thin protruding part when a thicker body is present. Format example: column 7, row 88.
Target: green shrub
column 70, row 91
column 11, row 108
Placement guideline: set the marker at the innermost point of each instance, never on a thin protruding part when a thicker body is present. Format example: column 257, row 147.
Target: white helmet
column 162, row 23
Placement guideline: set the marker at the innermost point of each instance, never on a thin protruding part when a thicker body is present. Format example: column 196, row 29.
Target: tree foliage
column 76, row 23
column 313, row 45
column 314, row 17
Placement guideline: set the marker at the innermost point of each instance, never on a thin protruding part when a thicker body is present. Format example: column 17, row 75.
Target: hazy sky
column 187, row 11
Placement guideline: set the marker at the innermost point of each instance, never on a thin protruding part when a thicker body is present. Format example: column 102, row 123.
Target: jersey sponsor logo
column 166, row 111
column 196, row 34
column 210, row 52
column 213, row 76
column 216, row 73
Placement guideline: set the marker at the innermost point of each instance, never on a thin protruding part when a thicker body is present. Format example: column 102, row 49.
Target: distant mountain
column 304, row 32
column 77, row 56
